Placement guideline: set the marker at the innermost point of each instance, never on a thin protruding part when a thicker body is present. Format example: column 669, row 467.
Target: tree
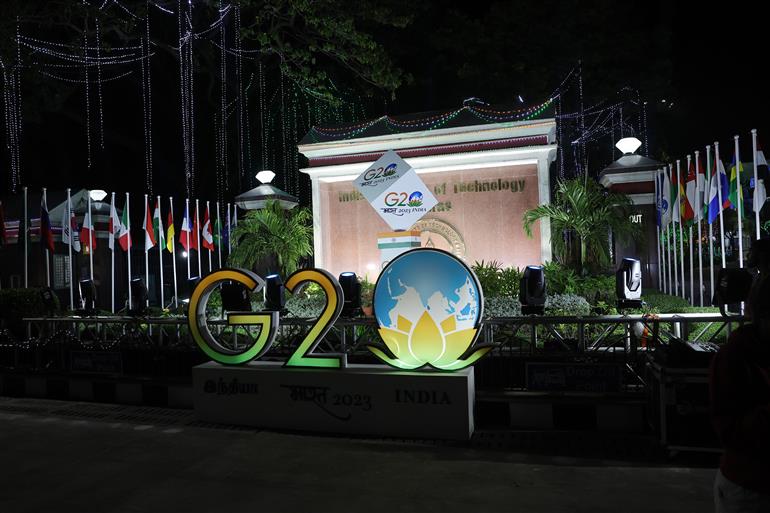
column 273, row 233
column 586, row 209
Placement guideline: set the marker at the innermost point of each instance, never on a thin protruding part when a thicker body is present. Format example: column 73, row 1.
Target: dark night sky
column 707, row 61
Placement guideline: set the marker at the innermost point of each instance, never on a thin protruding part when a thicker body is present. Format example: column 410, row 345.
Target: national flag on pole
column 46, row 235
column 170, row 232
column 718, row 179
column 736, row 191
column 676, row 189
column 666, row 205
column 124, row 235
column 206, row 235
column 185, row 238
column 114, row 225
column 149, row 233
column 688, row 198
column 87, row 233
column 217, row 233
column 69, row 229
column 760, row 188
column 157, row 224
column 702, row 190
column 194, row 233
column 74, row 232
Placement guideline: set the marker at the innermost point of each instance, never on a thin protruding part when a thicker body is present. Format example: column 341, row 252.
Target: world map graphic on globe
column 427, row 280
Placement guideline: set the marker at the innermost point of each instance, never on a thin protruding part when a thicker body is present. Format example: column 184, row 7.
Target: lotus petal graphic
column 427, row 343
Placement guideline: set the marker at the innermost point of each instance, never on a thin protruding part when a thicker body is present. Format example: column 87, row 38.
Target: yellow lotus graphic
column 426, row 343
column 428, row 306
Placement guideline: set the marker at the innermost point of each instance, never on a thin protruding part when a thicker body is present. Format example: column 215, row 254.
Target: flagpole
column 146, row 253
column 69, row 248
column 198, row 237
column 91, row 238
column 229, row 232
column 219, row 237
column 721, row 204
column 692, row 277
column 114, row 210
column 668, row 263
column 130, row 247
column 160, row 255
column 47, row 263
column 189, row 234
column 672, row 242
column 173, row 252
column 711, row 226
column 658, row 221
column 26, row 249
column 739, row 193
column 757, row 208
column 208, row 210
column 699, row 217
column 681, row 227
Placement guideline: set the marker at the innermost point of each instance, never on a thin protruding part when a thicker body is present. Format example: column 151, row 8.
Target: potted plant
column 367, row 296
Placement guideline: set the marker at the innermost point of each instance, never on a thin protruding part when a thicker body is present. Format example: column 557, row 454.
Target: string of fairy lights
column 253, row 78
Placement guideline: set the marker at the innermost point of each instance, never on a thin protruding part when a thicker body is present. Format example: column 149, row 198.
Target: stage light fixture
column 235, row 298
column 48, row 296
column 732, row 288
column 138, row 298
column 184, row 254
column 628, row 284
column 87, row 291
column 275, row 298
column 532, row 290
column 351, row 292
column 759, row 256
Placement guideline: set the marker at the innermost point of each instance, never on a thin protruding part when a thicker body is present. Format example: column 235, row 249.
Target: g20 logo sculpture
column 428, row 305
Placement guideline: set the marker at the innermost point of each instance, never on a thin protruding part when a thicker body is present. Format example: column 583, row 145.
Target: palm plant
column 584, row 208
column 272, row 232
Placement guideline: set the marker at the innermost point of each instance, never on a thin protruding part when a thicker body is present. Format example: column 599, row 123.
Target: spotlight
column 628, row 284
column 351, row 292
column 275, row 298
column 87, row 290
column 138, row 297
column 49, row 300
column 235, row 298
column 532, row 290
column 184, row 254
column 759, row 256
column 733, row 286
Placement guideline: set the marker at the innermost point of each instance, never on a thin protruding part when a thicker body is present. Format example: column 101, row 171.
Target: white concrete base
column 362, row 399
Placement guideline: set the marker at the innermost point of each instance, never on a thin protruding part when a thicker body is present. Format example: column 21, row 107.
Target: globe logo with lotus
column 415, row 199
column 428, row 305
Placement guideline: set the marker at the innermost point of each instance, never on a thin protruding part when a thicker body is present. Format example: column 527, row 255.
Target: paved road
column 62, row 457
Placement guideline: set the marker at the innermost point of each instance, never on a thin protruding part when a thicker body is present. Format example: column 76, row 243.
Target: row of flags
column 700, row 190
column 687, row 195
column 212, row 235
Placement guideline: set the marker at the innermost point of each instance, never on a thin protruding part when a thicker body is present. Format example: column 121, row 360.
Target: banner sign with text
column 395, row 191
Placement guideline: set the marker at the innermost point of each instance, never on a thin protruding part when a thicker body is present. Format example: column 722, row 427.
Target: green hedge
column 15, row 304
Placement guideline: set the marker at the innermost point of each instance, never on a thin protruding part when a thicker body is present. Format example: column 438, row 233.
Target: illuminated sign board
column 428, row 305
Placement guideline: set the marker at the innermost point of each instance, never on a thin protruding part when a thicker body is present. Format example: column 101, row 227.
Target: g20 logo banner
column 428, row 305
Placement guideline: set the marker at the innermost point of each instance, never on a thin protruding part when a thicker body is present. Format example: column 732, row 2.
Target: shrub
column 502, row 306
column 560, row 279
column 15, row 304
column 496, row 280
column 567, row 304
